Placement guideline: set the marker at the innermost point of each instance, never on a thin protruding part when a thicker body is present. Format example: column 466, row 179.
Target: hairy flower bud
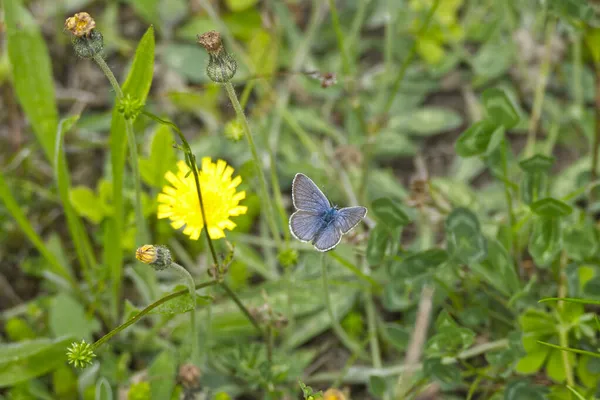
column 221, row 66
column 159, row 257
column 80, row 354
column 87, row 42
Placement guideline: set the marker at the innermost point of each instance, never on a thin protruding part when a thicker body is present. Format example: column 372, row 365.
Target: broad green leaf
column 383, row 183
column 390, row 213
column 162, row 157
column 137, row 85
column 498, row 269
column 377, row 244
column 391, row 144
column 263, row 49
column 397, row 335
column 581, row 242
column 418, row 264
column 431, row 121
column 576, row 11
column 537, row 162
column 464, row 239
column 449, row 342
column 555, row 367
column 475, row 140
column 522, row 389
column 534, row 185
column 64, row 382
column 87, row 204
column 551, row 208
column 546, row 240
column 181, row 304
column 532, row 362
column 67, row 317
column 187, row 60
column 103, row 390
column 434, row 369
column 31, row 73
column 147, row 9
column 162, row 374
column 592, row 39
column 500, row 108
column 20, row 362
column 377, row 386
column 493, row 59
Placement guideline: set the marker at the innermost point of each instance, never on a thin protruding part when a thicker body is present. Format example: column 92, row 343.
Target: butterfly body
column 316, row 220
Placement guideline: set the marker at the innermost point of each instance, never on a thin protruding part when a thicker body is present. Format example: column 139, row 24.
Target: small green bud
column 234, row 130
column 222, row 396
column 159, row 257
column 80, row 354
column 288, row 257
column 130, row 107
column 221, row 66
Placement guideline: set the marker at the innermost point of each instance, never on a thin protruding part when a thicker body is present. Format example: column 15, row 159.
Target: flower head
column 333, row 394
column 158, row 257
column 80, row 24
column 80, row 354
column 179, row 202
column 221, row 66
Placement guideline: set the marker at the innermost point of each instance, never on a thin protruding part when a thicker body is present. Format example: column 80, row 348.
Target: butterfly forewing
column 304, row 225
column 348, row 217
column 327, row 238
column 307, row 196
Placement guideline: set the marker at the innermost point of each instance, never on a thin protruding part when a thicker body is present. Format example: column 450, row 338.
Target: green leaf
column 431, row 121
column 537, row 162
column 181, row 304
column 67, row 317
column 397, row 335
column 534, row 186
column 555, row 367
column 464, row 239
column 498, row 269
column 137, row 86
column 418, row 264
column 435, row 369
column 576, row 10
column 31, row 73
column 103, row 390
column 475, row 140
column 187, row 60
column 377, row 244
column 581, row 242
column 161, row 375
column 87, row 204
column 449, row 342
column 377, row 386
column 263, row 48
column 550, row 207
column 20, row 362
column 500, row 109
column 522, row 389
column 546, row 240
column 390, row 213
column 532, row 362
column 162, row 157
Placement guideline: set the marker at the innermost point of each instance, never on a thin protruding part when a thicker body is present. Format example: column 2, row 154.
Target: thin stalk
column 372, row 326
column 335, row 325
column 185, row 274
column 563, row 328
column 192, row 162
column 540, row 90
column 371, row 138
column 596, row 145
column 261, row 177
column 146, row 310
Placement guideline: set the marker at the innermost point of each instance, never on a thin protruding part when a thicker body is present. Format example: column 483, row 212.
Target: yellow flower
column 333, row 394
column 180, row 204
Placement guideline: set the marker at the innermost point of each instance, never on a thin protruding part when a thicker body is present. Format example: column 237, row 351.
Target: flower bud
column 130, row 107
column 288, row 257
column 221, row 66
column 87, row 42
column 234, row 130
column 159, row 257
column 80, row 354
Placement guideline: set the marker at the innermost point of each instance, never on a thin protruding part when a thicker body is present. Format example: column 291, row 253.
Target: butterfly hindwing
column 327, row 238
column 307, row 196
column 304, row 225
column 348, row 217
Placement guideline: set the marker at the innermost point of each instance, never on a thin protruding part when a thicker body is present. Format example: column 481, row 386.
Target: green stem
column 563, row 327
column 109, row 75
column 339, row 34
column 241, row 306
column 540, row 91
column 261, row 177
column 146, row 310
column 372, row 137
column 185, row 274
column 335, row 325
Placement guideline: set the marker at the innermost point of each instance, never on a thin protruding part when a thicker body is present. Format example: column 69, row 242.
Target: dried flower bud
column 87, row 42
column 189, row 376
column 221, row 66
column 159, row 257
column 80, row 24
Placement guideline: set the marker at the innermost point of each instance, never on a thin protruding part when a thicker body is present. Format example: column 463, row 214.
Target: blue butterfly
column 316, row 220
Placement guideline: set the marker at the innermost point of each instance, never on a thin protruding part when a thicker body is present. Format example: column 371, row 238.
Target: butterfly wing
column 327, row 238
column 307, row 196
column 305, row 225
column 348, row 217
